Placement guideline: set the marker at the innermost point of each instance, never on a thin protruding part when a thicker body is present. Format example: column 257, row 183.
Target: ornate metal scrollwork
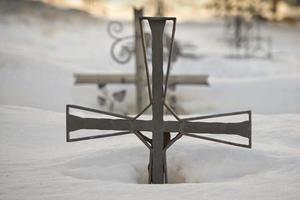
column 122, row 49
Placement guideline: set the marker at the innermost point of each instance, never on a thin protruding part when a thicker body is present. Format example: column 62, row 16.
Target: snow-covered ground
column 37, row 163
column 38, row 56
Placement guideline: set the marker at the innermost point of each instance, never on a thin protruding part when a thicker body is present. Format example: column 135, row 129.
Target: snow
column 37, row 163
column 38, row 57
column 51, row 59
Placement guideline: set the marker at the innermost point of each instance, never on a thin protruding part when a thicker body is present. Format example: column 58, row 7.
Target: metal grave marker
column 160, row 128
column 246, row 38
column 138, row 78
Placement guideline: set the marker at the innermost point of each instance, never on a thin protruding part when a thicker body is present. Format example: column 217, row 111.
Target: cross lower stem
column 158, row 172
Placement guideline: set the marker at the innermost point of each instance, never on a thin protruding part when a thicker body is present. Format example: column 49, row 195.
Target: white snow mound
column 35, row 158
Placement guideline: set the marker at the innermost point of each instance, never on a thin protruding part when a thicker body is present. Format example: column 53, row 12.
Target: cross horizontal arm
column 240, row 128
column 130, row 79
column 75, row 123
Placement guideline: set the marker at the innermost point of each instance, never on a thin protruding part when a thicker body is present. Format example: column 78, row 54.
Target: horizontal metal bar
column 239, row 128
column 98, row 136
column 131, row 79
column 219, row 141
column 97, row 111
column 158, row 18
column 217, row 115
column 75, row 123
column 200, row 79
column 104, row 78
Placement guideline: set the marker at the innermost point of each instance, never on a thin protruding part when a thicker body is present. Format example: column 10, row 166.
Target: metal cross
column 159, row 143
column 139, row 77
column 246, row 37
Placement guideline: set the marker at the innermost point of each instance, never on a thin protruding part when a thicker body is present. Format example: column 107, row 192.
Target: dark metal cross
column 124, row 55
column 159, row 143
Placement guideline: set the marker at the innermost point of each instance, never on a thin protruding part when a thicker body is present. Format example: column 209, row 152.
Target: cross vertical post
column 157, row 29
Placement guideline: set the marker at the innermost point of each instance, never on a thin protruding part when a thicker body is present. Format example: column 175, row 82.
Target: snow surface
column 37, row 163
column 42, row 54
column 38, row 57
